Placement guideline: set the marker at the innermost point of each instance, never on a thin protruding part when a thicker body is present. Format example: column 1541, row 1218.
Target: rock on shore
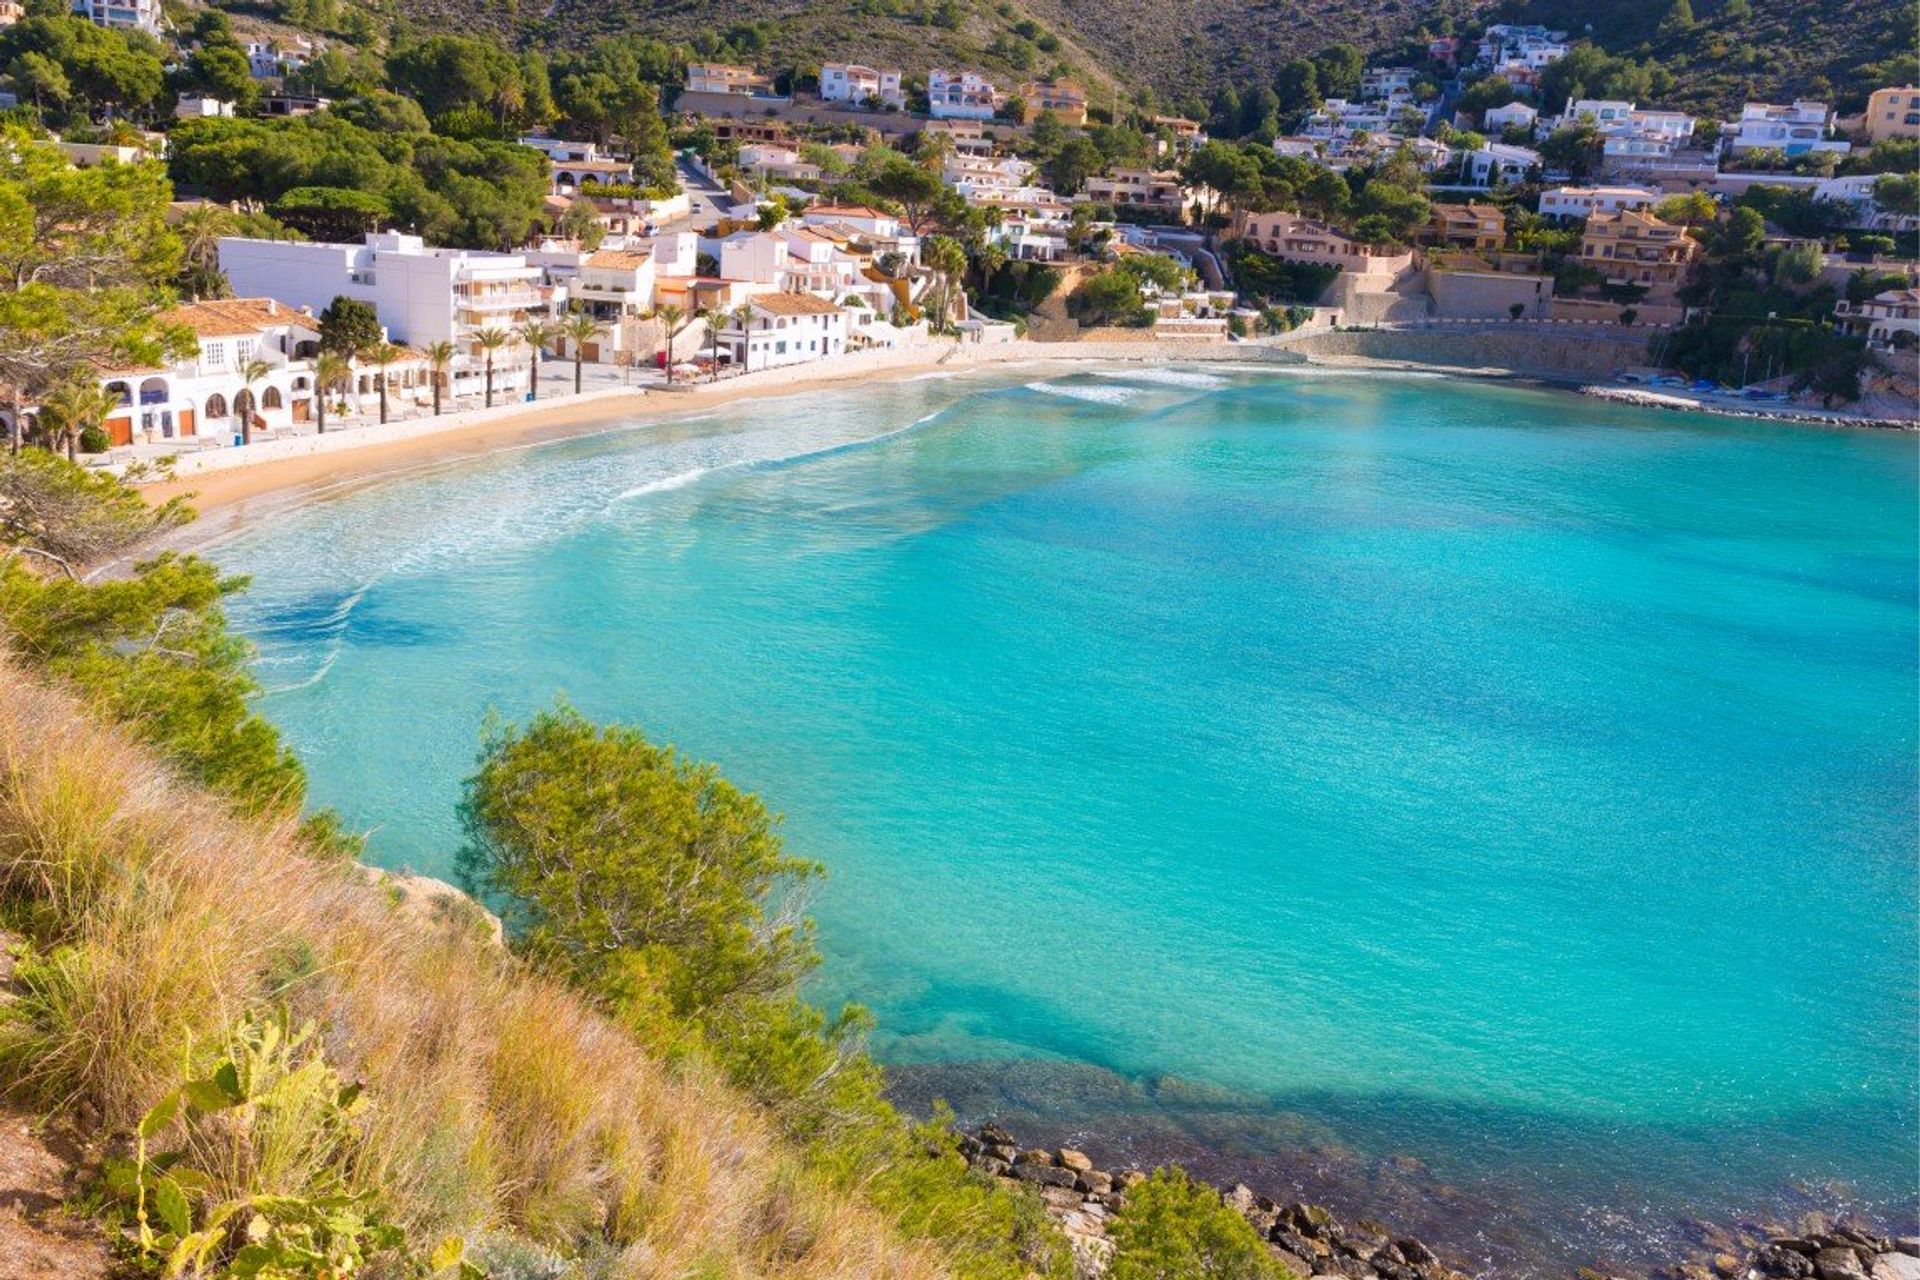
column 1307, row 1239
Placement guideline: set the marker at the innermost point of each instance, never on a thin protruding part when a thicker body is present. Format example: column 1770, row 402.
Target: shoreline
column 227, row 495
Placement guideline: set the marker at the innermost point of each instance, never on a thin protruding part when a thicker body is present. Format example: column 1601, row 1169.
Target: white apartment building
column 1583, row 202
column 852, row 82
column 1796, row 129
column 781, row 164
column 422, row 294
column 1857, row 190
column 960, row 95
column 786, row 329
column 141, row 15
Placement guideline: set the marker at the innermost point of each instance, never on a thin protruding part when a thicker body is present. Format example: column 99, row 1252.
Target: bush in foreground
column 1174, row 1228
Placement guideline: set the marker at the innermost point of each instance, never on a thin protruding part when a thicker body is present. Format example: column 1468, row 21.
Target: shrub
column 1174, row 1228
column 94, row 440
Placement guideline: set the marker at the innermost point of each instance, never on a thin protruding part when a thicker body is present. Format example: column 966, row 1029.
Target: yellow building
column 1064, row 100
column 1634, row 248
column 1892, row 113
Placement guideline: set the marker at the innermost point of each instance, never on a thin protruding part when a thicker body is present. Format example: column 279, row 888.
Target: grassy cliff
column 498, row 1104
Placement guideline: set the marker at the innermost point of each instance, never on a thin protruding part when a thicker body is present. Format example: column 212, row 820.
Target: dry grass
column 500, row 1100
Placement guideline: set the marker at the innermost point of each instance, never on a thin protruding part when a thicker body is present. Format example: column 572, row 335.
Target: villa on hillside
column 1141, row 189
column 1795, row 129
column 1584, row 202
column 137, row 15
column 1476, row 227
column 1293, row 238
column 1889, row 321
column 1064, row 100
column 960, row 95
column 723, row 77
column 1892, row 113
column 859, row 85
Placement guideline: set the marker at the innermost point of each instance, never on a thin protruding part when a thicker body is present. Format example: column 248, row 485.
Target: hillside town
column 748, row 218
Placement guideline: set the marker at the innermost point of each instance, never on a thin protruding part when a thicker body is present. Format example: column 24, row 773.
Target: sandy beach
column 232, row 496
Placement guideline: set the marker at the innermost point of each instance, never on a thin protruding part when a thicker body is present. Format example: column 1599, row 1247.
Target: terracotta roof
column 794, row 304
column 845, row 211
column 229, row 317
column 617, row 259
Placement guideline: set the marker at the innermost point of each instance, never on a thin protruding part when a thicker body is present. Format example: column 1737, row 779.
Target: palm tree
column 331, row 370
column 743, row 319
column 253, row 371
column 200, row 229
column 72, row 409
column 380, row 356
column 715, row 318
column 673, row 319
column 491, row 340
column 440, row 356
column 538, row 335
column 945, row 256
column 582, row 329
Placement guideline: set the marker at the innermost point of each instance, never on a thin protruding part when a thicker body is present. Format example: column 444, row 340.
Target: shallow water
column 1286, row 770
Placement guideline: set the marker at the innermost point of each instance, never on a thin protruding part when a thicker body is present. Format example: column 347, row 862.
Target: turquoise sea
column 1479, row 806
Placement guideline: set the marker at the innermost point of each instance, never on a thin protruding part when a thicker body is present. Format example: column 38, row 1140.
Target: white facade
column 141, row 15
column 422, row 294
column 1497, row 163
column 1795, row 129
column 1495, row 119
column 1582, row 202
column 960, row 95
column 1533, row 48
column 195, row 107
column 205, row 395
column 851, row 82
column 1386, row 82
column 787, row 329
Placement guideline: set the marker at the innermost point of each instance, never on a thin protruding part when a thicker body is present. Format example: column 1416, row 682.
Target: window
column 243, row 350
column 214, row 354
column 270, row 398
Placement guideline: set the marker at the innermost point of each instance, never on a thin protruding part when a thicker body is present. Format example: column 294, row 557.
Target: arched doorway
column 270, row 399
column 216, row 407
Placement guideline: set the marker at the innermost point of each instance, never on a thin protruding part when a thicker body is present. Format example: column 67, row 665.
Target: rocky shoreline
column 1315, row 1244
column 1307, row 1239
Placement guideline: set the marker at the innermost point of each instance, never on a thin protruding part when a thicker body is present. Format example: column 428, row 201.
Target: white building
column 1495, row 119
column 960, row 95
column 1796, row 129
column 1386, row 82
column 851, row 82
column 781, row 164
column 1583, row 202
column 196, row 107
column 1532, row 48
column 1857, row 190
column 884, row 231
column 786, row 329
column 1337, row 118
column 1497, row 163
column 422, row 294
column 141, row 15
column 266, row 60
column 208, row 393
